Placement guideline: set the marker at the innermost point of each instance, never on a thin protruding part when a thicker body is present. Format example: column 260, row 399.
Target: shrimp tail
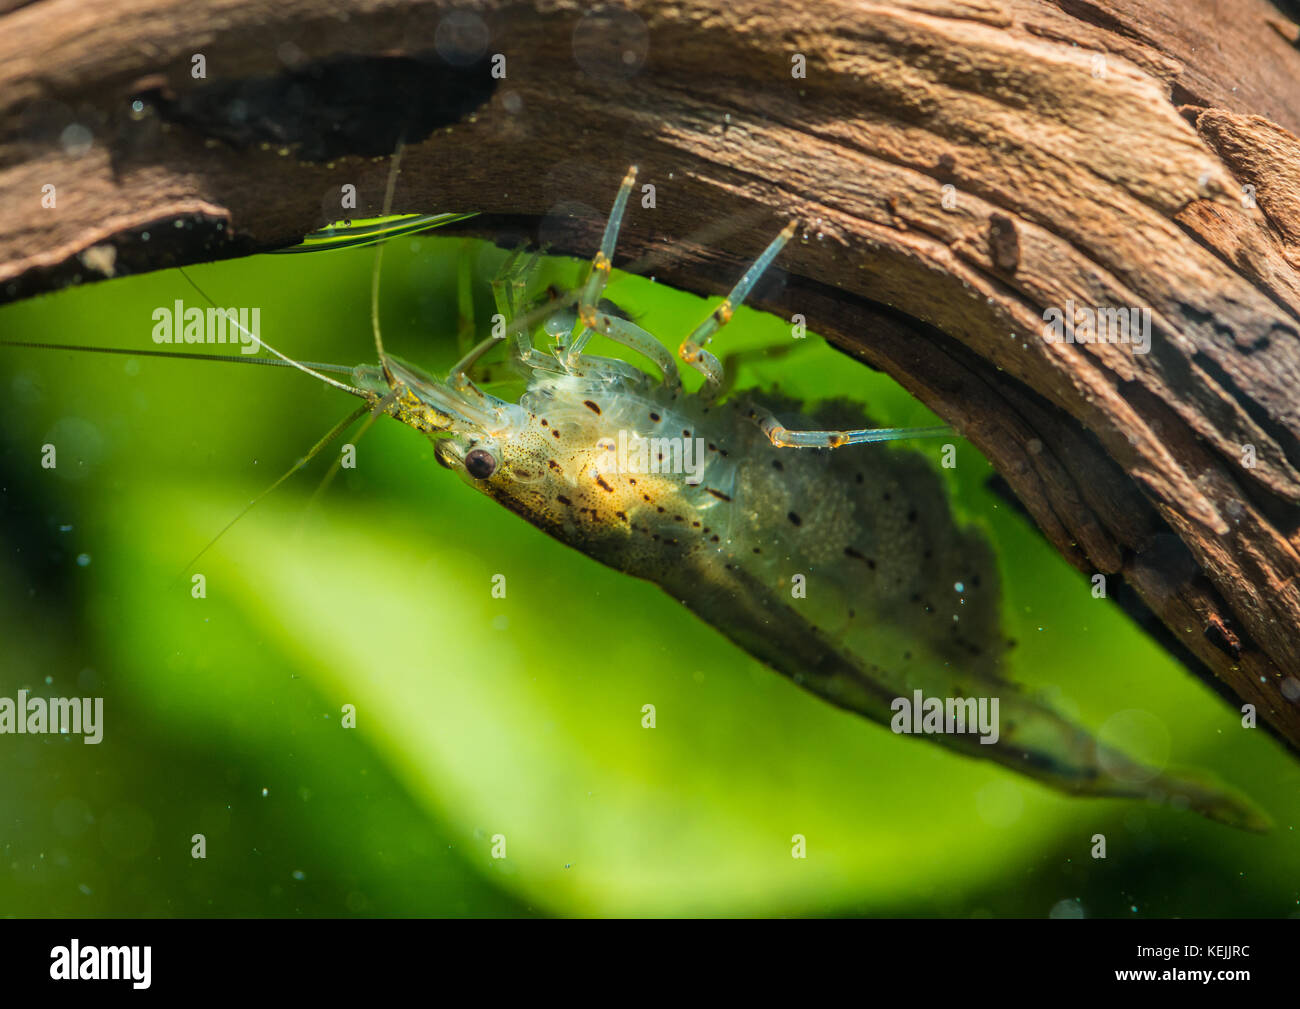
column 1205, row 793
column 1033, row 739
column 1039, row 742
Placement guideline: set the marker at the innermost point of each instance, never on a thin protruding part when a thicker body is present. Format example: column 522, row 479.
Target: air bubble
column 76, row 139
column 462, row 38
column 1066, row 909
column 610, row 44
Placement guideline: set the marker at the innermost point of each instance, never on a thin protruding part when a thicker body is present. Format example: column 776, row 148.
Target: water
column 522, row 716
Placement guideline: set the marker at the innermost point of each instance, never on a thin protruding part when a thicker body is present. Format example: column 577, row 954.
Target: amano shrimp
column 765, row 495
column 835, row 563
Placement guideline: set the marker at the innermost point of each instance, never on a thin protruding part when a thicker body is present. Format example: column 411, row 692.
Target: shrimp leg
column 629, row 334
column 507, row 293
column 601, row 264
column 692, row 349
column 782, row 437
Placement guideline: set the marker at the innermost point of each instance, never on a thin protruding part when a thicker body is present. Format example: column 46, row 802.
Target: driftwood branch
column 1108, row 153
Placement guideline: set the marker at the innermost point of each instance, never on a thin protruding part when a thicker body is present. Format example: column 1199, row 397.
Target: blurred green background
column 519, row 716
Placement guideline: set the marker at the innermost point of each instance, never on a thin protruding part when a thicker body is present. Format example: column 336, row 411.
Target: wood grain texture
column 1096, row 152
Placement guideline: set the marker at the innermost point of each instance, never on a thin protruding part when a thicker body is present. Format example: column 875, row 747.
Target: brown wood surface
column 1097, row 151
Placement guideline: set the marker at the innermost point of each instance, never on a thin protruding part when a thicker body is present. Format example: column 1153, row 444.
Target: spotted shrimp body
column 841, row 568
column 897, row 598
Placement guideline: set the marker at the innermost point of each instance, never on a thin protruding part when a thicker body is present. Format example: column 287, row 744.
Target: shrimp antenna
column 350, row 389
column 376, row 411
column 333, row 433
column 337, row 369
column 379, row 259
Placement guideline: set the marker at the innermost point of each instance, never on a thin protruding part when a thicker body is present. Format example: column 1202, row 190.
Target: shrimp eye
column 480, row 463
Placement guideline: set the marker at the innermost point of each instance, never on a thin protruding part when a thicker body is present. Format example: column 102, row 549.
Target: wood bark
column 959, row 166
